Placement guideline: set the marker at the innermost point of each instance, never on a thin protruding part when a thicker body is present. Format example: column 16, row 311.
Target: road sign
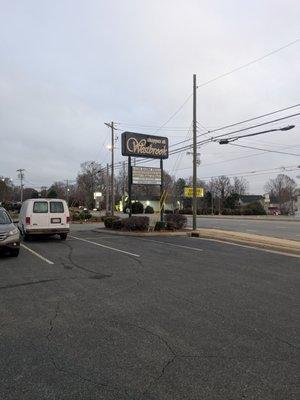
column 146, row 176
column 188, row 192
column 146, row 146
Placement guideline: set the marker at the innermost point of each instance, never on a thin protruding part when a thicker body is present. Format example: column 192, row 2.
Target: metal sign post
column 129, row 185
column 162, row 191
column 145, row 146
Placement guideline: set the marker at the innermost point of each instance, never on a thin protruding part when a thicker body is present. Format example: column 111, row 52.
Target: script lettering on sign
column 139, row 145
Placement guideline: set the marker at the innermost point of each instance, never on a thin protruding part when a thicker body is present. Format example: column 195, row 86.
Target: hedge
column 136, row 224
column 175, row 221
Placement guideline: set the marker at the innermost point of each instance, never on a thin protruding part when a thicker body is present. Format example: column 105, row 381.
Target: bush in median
column 118, row 224
column 159, row 226
column 108, row 221
column 136, row 224
column 149, row 210
column 175, row 221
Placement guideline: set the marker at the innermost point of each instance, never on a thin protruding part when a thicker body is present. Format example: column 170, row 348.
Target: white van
column 44, row 217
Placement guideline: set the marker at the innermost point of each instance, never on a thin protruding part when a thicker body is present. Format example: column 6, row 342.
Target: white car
column 44, row 217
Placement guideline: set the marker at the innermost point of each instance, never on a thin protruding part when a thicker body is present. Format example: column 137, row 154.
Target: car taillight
column 68, row 220
column 27, row 221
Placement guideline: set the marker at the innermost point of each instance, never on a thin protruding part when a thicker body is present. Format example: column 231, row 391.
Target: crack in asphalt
column 29, row 283
column 102, row 385
column 71, row 249
column 41, row 281
column 256, row 330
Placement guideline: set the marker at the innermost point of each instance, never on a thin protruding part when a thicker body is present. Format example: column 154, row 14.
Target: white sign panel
column 146, row 176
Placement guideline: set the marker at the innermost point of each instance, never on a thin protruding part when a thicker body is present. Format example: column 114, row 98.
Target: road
column 111, row 317
column 276, row 228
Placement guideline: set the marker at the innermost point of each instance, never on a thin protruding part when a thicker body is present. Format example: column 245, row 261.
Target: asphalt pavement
column 111, row 317
column 273, row 227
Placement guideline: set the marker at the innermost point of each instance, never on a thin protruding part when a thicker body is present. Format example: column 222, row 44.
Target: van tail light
column 68, row 220
column 27, row 220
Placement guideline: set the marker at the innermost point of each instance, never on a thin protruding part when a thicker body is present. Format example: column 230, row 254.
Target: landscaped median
column 175, row 225
column 266, row 242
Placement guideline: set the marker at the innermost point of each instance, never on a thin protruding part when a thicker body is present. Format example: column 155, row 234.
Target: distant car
column 9, row 234
column 44, row 217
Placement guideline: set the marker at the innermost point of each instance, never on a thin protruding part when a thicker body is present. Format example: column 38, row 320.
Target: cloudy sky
column 68, row 66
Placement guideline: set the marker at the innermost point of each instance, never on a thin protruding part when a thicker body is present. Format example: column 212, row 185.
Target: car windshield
column 4, row 218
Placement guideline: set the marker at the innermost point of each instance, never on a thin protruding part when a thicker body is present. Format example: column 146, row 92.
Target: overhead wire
column 265, row 150
column 248, row 63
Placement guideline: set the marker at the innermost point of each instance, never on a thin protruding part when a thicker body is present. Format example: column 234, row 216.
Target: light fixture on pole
column 234, row 138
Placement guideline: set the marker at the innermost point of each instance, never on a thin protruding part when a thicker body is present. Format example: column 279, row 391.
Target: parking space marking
column 106, row 247
column 250, row 247
column 172, row 244
column 37, row 254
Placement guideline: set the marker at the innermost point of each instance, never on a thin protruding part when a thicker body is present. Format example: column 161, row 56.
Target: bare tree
column 240, row 186
column 60, row 188
column 283, row 189
column 6, row 189
column 90, row 180
column 221, row 188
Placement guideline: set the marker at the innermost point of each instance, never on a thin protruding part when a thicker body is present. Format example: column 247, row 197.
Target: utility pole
column 68, row 191
column 111, row 125
column 107, row 189
column 194, row 154
column 21, row 177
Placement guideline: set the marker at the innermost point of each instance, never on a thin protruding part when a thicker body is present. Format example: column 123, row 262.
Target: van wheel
column 14, row 252
column 63, row 236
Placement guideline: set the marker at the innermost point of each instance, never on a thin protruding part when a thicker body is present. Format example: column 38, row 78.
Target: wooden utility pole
column 111, row 125
column 21, row 177
column 194, row 154
column 107, row 189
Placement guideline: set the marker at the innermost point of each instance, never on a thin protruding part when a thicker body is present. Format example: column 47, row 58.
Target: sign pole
column 107, row 190
column 194, row 154
column 129, row 185
column 162, row 191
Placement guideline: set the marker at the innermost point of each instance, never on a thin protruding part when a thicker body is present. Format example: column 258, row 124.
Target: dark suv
column 9, row 234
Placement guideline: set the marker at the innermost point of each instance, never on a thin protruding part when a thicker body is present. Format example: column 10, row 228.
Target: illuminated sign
column 188, row 192
column 139, row 145
column 146, row 176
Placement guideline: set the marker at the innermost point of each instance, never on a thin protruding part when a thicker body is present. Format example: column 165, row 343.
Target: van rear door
column 57, row 214
column 39, row 216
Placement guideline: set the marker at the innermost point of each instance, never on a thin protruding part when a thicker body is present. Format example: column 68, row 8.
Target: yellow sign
column 188, row 192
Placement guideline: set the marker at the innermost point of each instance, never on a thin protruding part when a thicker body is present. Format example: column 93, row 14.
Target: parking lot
column 100, row 316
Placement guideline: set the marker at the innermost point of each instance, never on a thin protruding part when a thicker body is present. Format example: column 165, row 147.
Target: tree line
column 221, row 193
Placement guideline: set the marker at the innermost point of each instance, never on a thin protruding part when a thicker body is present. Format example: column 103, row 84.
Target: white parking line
column 106, row 247
column 251, row 247
column 37, row 254
column 172, row 244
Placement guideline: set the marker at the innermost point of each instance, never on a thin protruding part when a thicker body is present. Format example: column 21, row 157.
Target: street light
column 233, row 139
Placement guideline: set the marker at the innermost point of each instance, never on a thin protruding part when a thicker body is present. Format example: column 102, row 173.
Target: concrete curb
column 249, row 218
column 138, row 234
column 267, row 242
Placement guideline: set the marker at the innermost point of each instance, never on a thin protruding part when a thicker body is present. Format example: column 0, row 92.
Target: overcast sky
column 69, row 66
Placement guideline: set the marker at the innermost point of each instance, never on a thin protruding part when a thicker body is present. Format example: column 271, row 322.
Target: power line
column 266, row 150
column 244, row 129
column 258, row 172
column 248, row 63
column 209, row 140
column 234, row 159
column 231, row 133
column 175, row 113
